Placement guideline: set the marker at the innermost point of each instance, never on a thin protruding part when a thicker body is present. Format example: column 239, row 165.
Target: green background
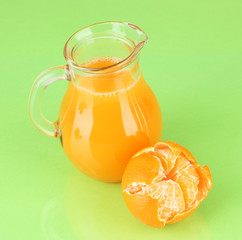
column 193, row 62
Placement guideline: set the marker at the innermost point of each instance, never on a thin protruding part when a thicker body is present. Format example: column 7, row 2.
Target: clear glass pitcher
column 108, row 112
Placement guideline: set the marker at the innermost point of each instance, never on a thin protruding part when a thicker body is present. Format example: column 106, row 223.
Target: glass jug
column 108, row 112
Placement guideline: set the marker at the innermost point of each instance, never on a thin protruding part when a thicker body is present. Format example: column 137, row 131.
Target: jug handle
column 41, row 83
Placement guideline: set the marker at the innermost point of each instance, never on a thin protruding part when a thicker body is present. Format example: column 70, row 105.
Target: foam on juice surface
column 100, row 62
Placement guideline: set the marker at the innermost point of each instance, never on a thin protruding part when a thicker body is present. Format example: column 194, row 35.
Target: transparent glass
column 108, row 112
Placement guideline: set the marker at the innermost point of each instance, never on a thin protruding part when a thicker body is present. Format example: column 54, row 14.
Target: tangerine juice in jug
column 108, row 112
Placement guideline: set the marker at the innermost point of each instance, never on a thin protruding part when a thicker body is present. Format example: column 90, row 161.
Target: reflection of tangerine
column 164, row 184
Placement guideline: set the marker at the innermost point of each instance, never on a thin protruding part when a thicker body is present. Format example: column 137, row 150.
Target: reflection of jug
column 108, row 112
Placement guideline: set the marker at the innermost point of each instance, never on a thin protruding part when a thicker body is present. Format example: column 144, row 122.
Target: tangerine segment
column 205, row 183
column 166, row 155
column 164, row 184
column 189, row 189
column 184, row 173
column 177, row 150
column 170, row 197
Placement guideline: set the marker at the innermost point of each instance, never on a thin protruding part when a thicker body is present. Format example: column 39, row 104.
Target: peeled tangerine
column 164, row 184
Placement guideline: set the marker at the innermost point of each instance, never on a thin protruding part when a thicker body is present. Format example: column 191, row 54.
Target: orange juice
column 105, row 119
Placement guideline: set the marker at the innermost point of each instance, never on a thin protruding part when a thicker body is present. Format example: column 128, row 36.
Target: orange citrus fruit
column 164, row 184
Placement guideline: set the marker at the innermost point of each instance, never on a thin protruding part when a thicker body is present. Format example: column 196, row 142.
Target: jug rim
column 120, row 64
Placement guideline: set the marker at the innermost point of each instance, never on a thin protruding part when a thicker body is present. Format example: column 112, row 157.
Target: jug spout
column 107, row 39
column 140, row 38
